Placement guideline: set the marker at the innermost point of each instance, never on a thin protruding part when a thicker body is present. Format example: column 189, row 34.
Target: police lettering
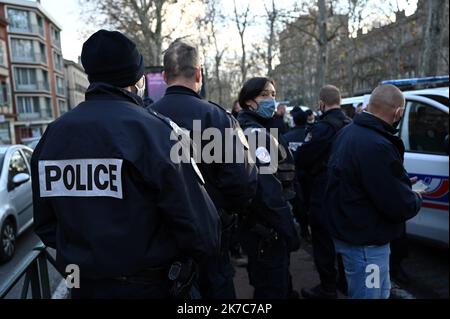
column 81, row 177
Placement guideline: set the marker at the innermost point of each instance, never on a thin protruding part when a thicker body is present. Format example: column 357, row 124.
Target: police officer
column 312, row 157
column 366, row 164
column 268, row 231
column 231, row 184
column 106, row 193
column 295, row 138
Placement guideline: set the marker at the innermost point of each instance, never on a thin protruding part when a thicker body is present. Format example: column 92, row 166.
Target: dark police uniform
column 109, row 198
column 300, row 204
column 231, row 185
column 375, row 179
column 268, row 232
column 312, row 157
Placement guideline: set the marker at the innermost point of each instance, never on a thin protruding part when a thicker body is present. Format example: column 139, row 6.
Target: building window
column 40, row 24
column 22, row 50
column 19, row 20
column 31, row 79
column 57, row 61
column 25, row 78
column 60, row 89
column 55, row 37
column 28, row 107
column 5, row 133
column 4, row 93
column 3, row 59
column 62, row 106
column 22, row 21
column 33, row 108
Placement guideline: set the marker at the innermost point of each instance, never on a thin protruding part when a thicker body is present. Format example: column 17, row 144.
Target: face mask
column 266, row 108
column 140, row 91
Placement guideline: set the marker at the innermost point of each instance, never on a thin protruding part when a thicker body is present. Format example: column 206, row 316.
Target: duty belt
column 147, row 275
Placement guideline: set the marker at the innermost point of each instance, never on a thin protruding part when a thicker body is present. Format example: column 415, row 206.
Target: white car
column 16, row 203
column 424, row 131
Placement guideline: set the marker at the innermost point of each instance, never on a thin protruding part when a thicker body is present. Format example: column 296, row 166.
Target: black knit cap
column 299, row 116
column 110, row 57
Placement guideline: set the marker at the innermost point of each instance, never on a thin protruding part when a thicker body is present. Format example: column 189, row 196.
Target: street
column 427, row 267
column 25, row 244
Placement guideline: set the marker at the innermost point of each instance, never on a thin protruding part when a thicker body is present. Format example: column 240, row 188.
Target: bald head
column 386, row 96
column 386, row 101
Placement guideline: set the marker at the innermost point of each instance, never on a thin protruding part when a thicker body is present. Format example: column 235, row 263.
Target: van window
column 427, row 129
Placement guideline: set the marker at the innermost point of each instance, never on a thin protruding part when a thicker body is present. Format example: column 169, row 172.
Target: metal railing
column 30, row 28
column 34, row 268
column 30, row 58
column 36, row 86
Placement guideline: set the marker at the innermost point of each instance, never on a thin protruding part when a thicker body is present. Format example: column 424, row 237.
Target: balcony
column 56, row 42
column 38, row 86
column 34, row 116
column 30, row 58
column 30, row 29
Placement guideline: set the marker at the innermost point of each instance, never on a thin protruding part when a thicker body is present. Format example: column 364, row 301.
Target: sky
column 67, row 14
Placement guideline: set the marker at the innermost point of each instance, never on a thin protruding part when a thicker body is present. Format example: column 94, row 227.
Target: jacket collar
column 105, row 91
column 247, row 116
column 178, row 89
column 332, row 111
column 372, row 122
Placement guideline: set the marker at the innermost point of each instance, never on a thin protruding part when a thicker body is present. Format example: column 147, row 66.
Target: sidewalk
column 302, row 271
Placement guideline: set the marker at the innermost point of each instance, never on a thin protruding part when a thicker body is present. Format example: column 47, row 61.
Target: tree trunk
column 432, row 37
column 322, row 56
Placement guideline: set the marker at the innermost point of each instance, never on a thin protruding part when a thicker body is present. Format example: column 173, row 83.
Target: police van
column 424, row 131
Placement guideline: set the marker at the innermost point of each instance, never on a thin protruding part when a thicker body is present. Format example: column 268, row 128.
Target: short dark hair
column 181, row 59
column 330, row 95
column 309, row 112
column 252, row 88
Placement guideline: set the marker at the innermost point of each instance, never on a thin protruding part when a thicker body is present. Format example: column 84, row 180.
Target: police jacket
column 107, row 195
column 369, row 195
column 295, row 137
column 313, row 154
column 270, row 207
column 231, row 184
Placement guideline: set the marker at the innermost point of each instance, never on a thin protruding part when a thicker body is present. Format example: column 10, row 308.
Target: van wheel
column 7, row 241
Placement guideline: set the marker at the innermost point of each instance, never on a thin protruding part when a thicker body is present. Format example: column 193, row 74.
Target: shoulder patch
column 263, row 155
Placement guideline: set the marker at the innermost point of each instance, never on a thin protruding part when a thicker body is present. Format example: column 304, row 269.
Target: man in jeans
column 369, row 194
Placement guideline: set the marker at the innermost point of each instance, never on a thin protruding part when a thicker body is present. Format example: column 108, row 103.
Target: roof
column 34, row 5
column 442, row 91
column 74, row 64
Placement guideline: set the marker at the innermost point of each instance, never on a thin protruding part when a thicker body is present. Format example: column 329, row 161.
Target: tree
column 209, row 37
column 272, row 14
column 242, row 21
column 141, row 20
column 432, row 38
column 321, row 24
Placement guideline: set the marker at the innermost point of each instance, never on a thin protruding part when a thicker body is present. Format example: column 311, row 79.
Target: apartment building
column 36, row 67
column 76, row 82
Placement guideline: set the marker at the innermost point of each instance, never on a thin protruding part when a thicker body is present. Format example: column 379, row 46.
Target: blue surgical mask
column 266, row 108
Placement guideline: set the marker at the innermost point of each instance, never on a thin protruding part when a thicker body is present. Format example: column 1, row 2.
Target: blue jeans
column 366, row 270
